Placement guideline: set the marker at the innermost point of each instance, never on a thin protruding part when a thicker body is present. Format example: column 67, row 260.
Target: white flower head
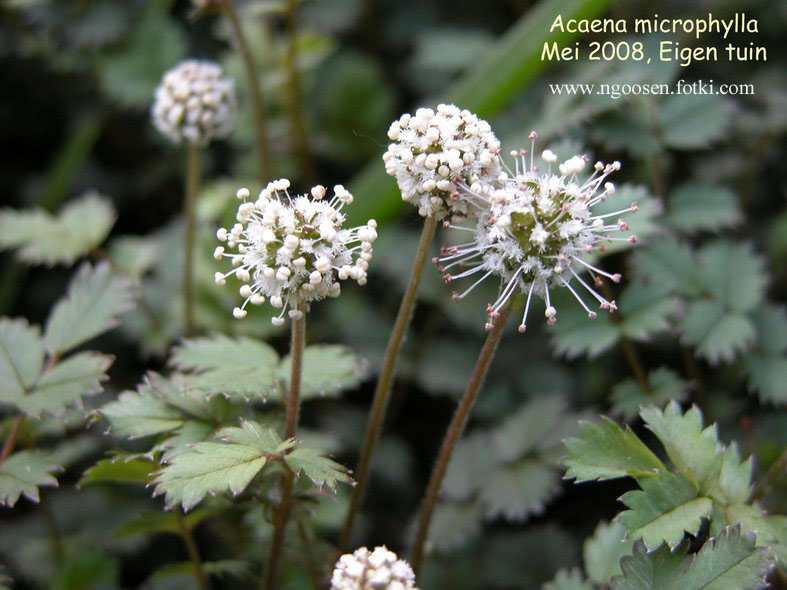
column 536, row 233
column 434, row 153
column 293, row 249
column 380, row 569
column 194, row 103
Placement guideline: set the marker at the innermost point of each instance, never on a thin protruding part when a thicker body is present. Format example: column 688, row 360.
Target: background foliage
column 92, row 236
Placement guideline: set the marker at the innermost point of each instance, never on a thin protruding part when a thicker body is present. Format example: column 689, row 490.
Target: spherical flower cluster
column 194, row 103
column 537, row 231
column 434, row 153
column 380, row 569
column 294, row 250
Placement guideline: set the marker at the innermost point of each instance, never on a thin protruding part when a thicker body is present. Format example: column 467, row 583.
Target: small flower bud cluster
column 434, row 153
column 194, row 103
column 536, row 231
column 380, row 569
column 294, row 250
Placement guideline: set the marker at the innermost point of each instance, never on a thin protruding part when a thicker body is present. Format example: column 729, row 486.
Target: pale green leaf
column 22, row 474
column 655, row 570
column 664, row 386
column 146, row 523
column 453, row 523
column 669, row 264
column 642, row 223
column 134, row 255
column 646, row 310
column 575, row 334
column 518, row 491
column 42, row 238
column 696, row 206
column 66, row 383
column 530, row 428
column 733, row 485
column 119, row 469
column 690, row 122
column 665, row 508
column 717, row 334
column 568, row 580
column 183, row 437
column 766, row 364
column 732, row 274
column 244, row 366
column 469, row 467
column 695, row 451
column 318, row 468
column 602, row 552
column 138, row 414
column 328, row 369
column 255, row 435
column 208, row 468
column 607, row 451
column 21, row 358
column 95, row 299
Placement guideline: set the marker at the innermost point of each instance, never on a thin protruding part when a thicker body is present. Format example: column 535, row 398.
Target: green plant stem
column 190, row 214
column 191, row 547
column 454, row 433
column 257, row 104
column 300, row 136
column 55, row 535
column 8, row 445
column 771, row 476
column 382, row 391
column 282, row 515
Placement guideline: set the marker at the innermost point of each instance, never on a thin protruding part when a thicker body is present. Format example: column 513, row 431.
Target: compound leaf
column 22, row 474
column 328, row 369
column 318, row 468
column 518, row 491
column 695, row 206
column 602, row 552
column 21, row 358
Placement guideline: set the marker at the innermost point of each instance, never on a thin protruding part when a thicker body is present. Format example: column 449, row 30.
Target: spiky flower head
column 434, row 153
column 380, row 569
column 194, row 103
column 294, row 250
column 536, row 234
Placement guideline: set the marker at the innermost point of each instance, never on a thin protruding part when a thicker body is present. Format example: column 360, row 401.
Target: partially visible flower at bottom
column 380, row 569
column 536, row 233
column 293, row 249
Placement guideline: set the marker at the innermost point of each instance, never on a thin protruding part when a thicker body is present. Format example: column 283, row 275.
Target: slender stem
column 190, row 213
column 454, row 433
column 629, row 350
column 771, row 476
column 314, row 572
column 191, row 546
column 55, row 535
column 282, row 515
column 300, row 135
column 8, row 445
column 382, row 391
column 257, row 104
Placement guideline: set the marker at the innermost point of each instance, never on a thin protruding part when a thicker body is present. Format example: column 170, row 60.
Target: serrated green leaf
column 42, row 238
column 696, row 206
column 236, row 367
column 255, row 435
column 642, row 223
column 66, row 383
column 518, row 491
column 732, row 274
column 21, row 358
column 730, row 561
column 208, row 468
column 766, row 364
column 656, row 570
column 328, row 369
column 119, row 470
column 95, row 299
column 717, row 334
column 192, row 431
column 665, row 508
column 646, row 311
column 22, row 474
column 690, row 122
column 607, row 451
column 695, row 451
column 138, row 414
column 733, row 483
column 453, row 523
column 468, row 468
column 568, row 580
column 318, row 468
column 665, row 385
column 602, row 552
